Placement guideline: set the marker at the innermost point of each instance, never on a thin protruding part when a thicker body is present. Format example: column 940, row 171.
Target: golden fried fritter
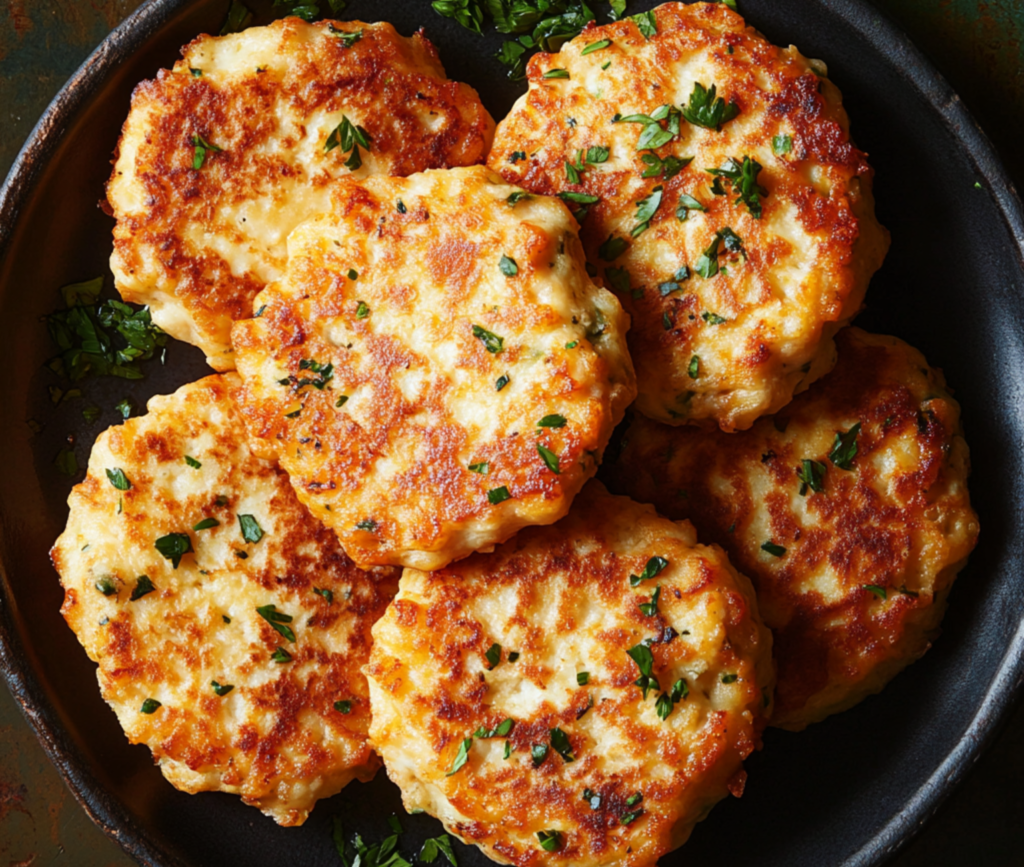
column 229, row 627
column 435, row 370
column 730, row 211
column 849, row 510
column 222, row 156
column 588, row 689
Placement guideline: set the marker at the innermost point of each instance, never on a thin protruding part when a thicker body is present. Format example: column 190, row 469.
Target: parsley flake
column 644, row 659
column 347, row 137
column 743, row 178
column 118, row 479
column 550, row 841
column 707, row 109
column 221, row 689
column 561, row 745
column 880, row 592
column 200, row 148
column 595, row 46
column 493, row 655
column 174, row 546
column 550, row 459
column 582, row 678
column 278, row 620
column 556, row 73
column 326, row 593
column 773, row 549
column 498, row 495
column 811, row 475
column 844, row 448
column 206, row 524
column 782, row 144
column 649, row 609
column 653, row 567
column 150, row 705
column 461, row 757
column 492, row 343
column 508, row 266
column 343, row 706
column 251, row 530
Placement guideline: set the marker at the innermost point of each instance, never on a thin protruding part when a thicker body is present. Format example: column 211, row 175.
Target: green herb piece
column 493, row 655
column 118, row 479
column 348, row 137
column 483, row 467
column 174, row 546
column 466, row 12
column 630, row 818
column 501, row 382
column 647, row 24
column 773, row 549
column 508, row 266
column 649, row 609
column 811, row 475
column 106, row 586
column 646, row 209
column 499, row 731
column 326, row 593
column 713, row 318
column 634, row 799
column 550, row 841
column 582, row 678
column 142, row 586
column 200, row 148
column 538, row 752
column 343, row 706
column 579, row 198
column 513, row 656
column 644, row 659
column 680, row 690
column 251, row 530
column 561, row 745
column 192, row 462
column 277, row 619
column 612, row 248
column 434, row 846
column 124, row 407
column 352, row 274
column 844, row 448
column 550, row 459
column 668, row 167
column 653, row 567
column 556, row 73
column 743, row 178
column 324, row 372
column 782, row 144
column 686, row 204
column 196, row 73
column 880, row 592
column 707, row 264
column 348, row 38
column 591, row 797
column 150, row 705
column 693, row 369
column 572, row 344
column 341, row 401
column 498, row 495
column 730, row 678
column 554, row 420
column 707, row 109
column 517, row 197
column 492, row 343
column 362, row 310
column 461, row 757
column 221, row 689
column 281, row 656
column 238, row 19
column 595, row 46
column 241, row 555
column 225, row 618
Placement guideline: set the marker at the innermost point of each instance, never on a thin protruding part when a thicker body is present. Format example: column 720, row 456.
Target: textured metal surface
column 979, row 46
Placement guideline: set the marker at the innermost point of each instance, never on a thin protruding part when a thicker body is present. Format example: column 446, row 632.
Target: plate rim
column 111, row 815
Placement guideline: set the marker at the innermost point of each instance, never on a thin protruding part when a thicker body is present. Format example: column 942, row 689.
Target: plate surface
column 848, row 791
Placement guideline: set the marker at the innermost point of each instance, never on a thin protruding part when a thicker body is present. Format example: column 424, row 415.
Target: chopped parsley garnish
column 251, row 530
column 550, row 841
column 707, row 109
column 200, row 148
column 348, row 137
column 432, row 847
column 647, row 24
column 281, row 656
column 595, row 46
column 493, row 655
column 367, row 524
column 618, row 278
column 192, row 462
column 649, row 609
column 707, row 264
column 730, row 678
column 592, row 798
column 499, row 731
column 400, row 207
column 483, row 467
column 326, row 593
column 501, row 382
column 508, row 266
column 653, row 135
column 221, row 689
column 118, row 479
column 743, row 178
column 646, row 209
column 556, row 73
column 538, row 752
column 341, row 401
column 561, row 745
column 549, row 458
column 225, row 618
column 668, row 167
column 324, row 374
column 572, row 344
column 595, row 155
column 773, row 549
column 782, row 144
column 644, row 659
column 196, row 73
column 142, row 586
column 124, row 408
column 106, row 338
column 498, row 495
column 686, row 204
column 693, row 369
column 513, row 656
column 654, row 567
column 579, row 198
column 554, row 420
column 517, row 197
column 362, row 310
column 174, row 546
column 344, row 706
column 466, row 12
column 352, row 274
column 844, row 448
column 150, row 705
column 492, row 343
column 680, row 690
column 880, row 592
column 461, row 757
column 348, row 38
column 516, row 156
column 278, row 620
column 106, row 586
column 630, row 818
column 811, row 475
column 582, row 678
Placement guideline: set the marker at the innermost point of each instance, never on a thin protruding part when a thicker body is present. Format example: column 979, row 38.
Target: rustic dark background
column 977, row 45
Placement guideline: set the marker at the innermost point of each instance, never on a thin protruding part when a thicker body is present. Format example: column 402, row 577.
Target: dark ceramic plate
column 848, row 791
